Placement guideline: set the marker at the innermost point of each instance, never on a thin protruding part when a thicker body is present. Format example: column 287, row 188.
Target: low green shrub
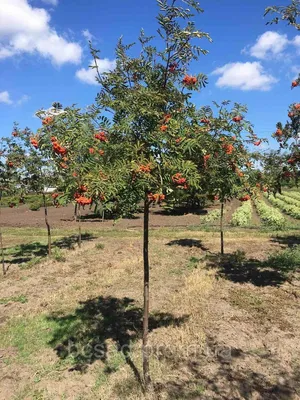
column 35, row 206
column 289, row 209
column 242, row 216
column 212, row 216
column 57, row 255
column 286, row 260
column 289, row 200
column 269, row 215
column 293, row 195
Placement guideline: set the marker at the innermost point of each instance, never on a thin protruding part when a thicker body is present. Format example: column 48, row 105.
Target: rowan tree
column 11, row 165
column 67, row 138
column 289, row 13
column 222, row 158
column 148, row 98
column 288, row 134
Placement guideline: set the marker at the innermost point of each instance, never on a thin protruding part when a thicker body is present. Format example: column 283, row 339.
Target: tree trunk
column 146, row 372
column 79, row 225
column 47, row 225
column 2, row 253
column 222, row 228
column 75, row 211
column 1, row 242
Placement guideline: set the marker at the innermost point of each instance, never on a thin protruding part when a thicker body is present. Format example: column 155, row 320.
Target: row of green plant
column 242, row 216
column 289, row 209
column 288, row 200
column 269, row 215
column 33, row 201
column 292, row 195
column 212, row 216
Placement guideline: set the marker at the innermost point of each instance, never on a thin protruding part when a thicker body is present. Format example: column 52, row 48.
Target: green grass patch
column 193, row 262
column 14, row 299
column 57, row 255
column 29, row 335
column 287, row 260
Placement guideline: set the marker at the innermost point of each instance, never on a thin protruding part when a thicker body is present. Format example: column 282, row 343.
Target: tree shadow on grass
column 24, row 253
column 284, row 241
column 237, row 268
column 84, row 334
column 218, row 371
column 188, row 243
column 179, row 211
column 68, row 242
column 107, row 217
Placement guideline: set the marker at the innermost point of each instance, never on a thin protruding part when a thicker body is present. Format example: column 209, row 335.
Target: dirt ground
column 64, row 217
column 221, row 334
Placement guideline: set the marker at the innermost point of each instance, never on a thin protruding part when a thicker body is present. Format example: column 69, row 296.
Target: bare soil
column 63, row 217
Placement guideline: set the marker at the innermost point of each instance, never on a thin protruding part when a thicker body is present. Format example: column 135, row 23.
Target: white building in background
column 49, row 190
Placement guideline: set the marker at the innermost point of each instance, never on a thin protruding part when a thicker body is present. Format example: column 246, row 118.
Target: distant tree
column 226, row 163
column 288, row 134
column 11, row 165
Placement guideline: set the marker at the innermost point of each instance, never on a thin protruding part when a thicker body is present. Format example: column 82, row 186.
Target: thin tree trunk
column 75, row 211
column 103, row 215
column 146, row 372
column 1, row 241
column 222, row 228
column 47, row 225
column 79, row 225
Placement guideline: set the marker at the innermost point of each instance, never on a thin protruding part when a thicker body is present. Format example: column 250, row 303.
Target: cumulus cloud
column 88, row 75
column 244, row 76
column 87, row 34
column 25, row 29
column 269, row 44
column 296, row 43
column 5, row 98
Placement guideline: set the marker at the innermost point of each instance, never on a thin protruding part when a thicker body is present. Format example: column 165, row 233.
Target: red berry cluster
column 47, row 121
column 157, row 197
column 34, row 142
column 180, row 181
column 101, row 136
column 238, row 118
column 57, row 148
column 189, row 80
column 245, row 198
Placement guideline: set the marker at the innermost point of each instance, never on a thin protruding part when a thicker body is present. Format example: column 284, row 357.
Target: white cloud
column 5, row 98
column 296, row 43
column 269, row 44
column 25, row 29
column 23, row 100
column 89, row 75
column 295, row 70
column 244, row 76
column 51, row 2
column 87, row 34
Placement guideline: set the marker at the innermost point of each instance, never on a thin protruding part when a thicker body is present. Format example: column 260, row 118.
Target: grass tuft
column 14, row 299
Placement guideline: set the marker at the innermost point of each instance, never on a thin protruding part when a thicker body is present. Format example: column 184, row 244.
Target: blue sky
column 44, row 55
